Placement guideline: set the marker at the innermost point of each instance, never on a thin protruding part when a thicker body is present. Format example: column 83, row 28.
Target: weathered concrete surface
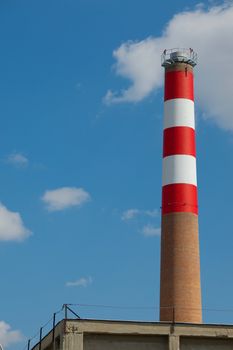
column 73, row 341
column 124, row 342
column 174, row 342
column 206, row 344
column 122, row 335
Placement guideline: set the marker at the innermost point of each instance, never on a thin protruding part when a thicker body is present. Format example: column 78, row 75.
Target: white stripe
column 179, row 112
column 179, row 169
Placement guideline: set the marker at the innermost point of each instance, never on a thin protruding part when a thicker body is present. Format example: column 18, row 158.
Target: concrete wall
column 205, row 344
column 125, row 342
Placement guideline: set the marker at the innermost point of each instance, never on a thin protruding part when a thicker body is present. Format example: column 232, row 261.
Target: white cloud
column 132, row 213
column 9, row 336
column 207, row 31
column 129, row 214
column 78, row 86
column 11, row 226
column 150, row 231
column 82, row 282
column 152, row 213
column 17, row 159
column 140, row 63
column 65, row 197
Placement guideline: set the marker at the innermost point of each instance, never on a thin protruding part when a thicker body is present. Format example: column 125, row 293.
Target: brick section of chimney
column 180, row 269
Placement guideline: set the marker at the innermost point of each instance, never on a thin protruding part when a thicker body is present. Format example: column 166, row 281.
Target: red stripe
column 179, row 140
column 179, row 198
column 178, row 84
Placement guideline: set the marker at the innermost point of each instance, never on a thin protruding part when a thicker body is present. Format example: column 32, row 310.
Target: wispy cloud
column 78, row 86
column 152, row 213
column 65, row 197
column 17, row 159
column 9, row 336
column 11, row 226
column 130, row 214
column 151, row 231
column 81, row 282
column 139, row 61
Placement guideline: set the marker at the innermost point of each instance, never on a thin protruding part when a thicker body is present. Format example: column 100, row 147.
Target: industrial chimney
column 180, row 290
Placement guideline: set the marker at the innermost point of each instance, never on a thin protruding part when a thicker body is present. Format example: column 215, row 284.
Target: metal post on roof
column 54, row 323
column 65, row 309
column 41, row 329
column 29, row 343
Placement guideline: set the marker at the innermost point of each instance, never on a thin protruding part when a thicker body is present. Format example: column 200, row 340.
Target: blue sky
column 81, row 107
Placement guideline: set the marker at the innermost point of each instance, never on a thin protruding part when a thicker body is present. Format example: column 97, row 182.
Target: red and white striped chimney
column 180, row 290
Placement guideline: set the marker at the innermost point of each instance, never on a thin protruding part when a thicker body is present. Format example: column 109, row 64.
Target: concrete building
column 118, row 335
